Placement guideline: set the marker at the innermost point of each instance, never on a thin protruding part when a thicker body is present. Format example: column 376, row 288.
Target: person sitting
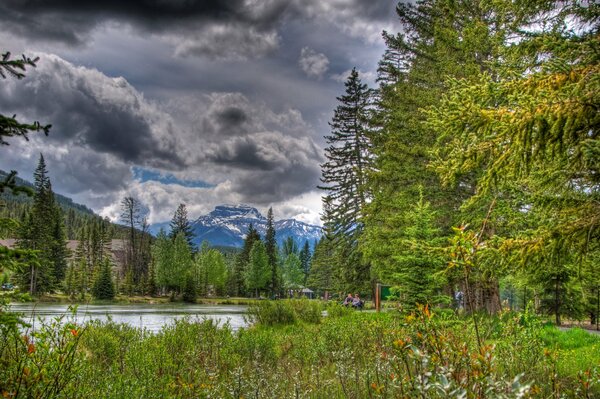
column 357, row 303
column 348, row 301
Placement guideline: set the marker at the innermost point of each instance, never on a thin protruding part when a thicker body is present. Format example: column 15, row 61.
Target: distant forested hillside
column 76, row 215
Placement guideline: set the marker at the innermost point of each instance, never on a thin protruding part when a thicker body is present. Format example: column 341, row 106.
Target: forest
column 471, row 171
column 467, row 181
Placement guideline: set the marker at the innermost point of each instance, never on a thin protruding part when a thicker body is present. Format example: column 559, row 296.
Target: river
column 149, row 316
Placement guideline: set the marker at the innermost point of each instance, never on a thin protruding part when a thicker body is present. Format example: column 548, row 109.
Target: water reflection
column 149, row 316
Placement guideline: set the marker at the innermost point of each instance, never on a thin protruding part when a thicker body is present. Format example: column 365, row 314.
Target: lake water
column 149, row 316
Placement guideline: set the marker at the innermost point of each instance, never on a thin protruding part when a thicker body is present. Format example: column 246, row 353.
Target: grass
column 348, row 354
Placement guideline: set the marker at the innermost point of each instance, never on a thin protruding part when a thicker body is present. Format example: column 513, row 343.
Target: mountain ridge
column 227, row 225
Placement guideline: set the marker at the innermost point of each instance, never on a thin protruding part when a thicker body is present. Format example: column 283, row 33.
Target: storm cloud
column 236, row 94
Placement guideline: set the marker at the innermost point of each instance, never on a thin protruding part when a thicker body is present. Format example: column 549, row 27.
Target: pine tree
column 181, row 224
column 44, row 232
column 289, row 247
column 348, row 157
column 419, row 263
column 305, row 257
column 344, row 177
column 58, row 250
column 104, row 287
column 271, row 248
column 189, row 291
column 323, row 275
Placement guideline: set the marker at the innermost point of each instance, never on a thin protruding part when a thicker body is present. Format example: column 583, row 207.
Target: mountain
column 227, row 225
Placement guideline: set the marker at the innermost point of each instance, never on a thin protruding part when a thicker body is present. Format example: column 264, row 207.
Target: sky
column 202, row 102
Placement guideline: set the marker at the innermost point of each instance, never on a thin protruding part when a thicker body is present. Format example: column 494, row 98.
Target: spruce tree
column 190, row 293
column 104, row 287
column 58, row 251
column 323, row 277
column 271, row 248
column 44, row 232
column 305, row 257
column 344, row 177
column 181, row 224
column 348, row 157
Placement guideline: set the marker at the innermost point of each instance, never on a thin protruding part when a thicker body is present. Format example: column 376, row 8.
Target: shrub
column 269, row 313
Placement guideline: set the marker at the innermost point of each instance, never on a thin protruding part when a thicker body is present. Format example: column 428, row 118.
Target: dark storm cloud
column 231, row 117
column 218, row 29
column 270, row 165
column 89, row 109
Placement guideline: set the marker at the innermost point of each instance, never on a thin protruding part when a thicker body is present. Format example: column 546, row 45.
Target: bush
column 287, row 311
column 334, row 309
column 269, row 313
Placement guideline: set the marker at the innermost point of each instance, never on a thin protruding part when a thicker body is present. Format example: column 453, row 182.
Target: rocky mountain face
column 227, row 225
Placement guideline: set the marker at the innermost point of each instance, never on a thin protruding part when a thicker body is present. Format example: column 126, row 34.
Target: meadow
column 292, row 350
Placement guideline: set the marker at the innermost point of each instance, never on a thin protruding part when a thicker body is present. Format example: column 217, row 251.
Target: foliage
column 348, row 159
column 293, row 275
column 9, row 126
column 242, row 262
column 43, row 231
column 258, row 273
column 41, row 362
column 181, row 224
column 210, row 271
column 287, row 311
column 189, row 290
column 271, row 249
column 104, row 287
column 359, row 354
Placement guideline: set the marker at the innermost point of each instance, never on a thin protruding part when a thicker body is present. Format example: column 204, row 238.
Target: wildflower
column 74, row 332
column 30, row 348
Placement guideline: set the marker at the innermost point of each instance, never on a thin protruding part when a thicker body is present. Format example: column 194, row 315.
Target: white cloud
column 368, row 77
column 103, row 126
column 312, row 63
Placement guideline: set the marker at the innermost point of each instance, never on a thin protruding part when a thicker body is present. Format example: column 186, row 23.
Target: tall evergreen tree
column 181, row 224
column 344, row 179
column 58, row 250
column 44, row 232
column 323, row 276
column 348, row 156
column 271, row 248
column 104, row 287
column 441, row 41
column 305, row 257
column 289, row 247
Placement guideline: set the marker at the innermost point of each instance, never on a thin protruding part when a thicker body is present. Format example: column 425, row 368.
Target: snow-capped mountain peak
column 228, row 224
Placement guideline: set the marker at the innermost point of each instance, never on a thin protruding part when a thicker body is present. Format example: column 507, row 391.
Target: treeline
column 261, row 268
column 471, row 173
column 125, row 259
